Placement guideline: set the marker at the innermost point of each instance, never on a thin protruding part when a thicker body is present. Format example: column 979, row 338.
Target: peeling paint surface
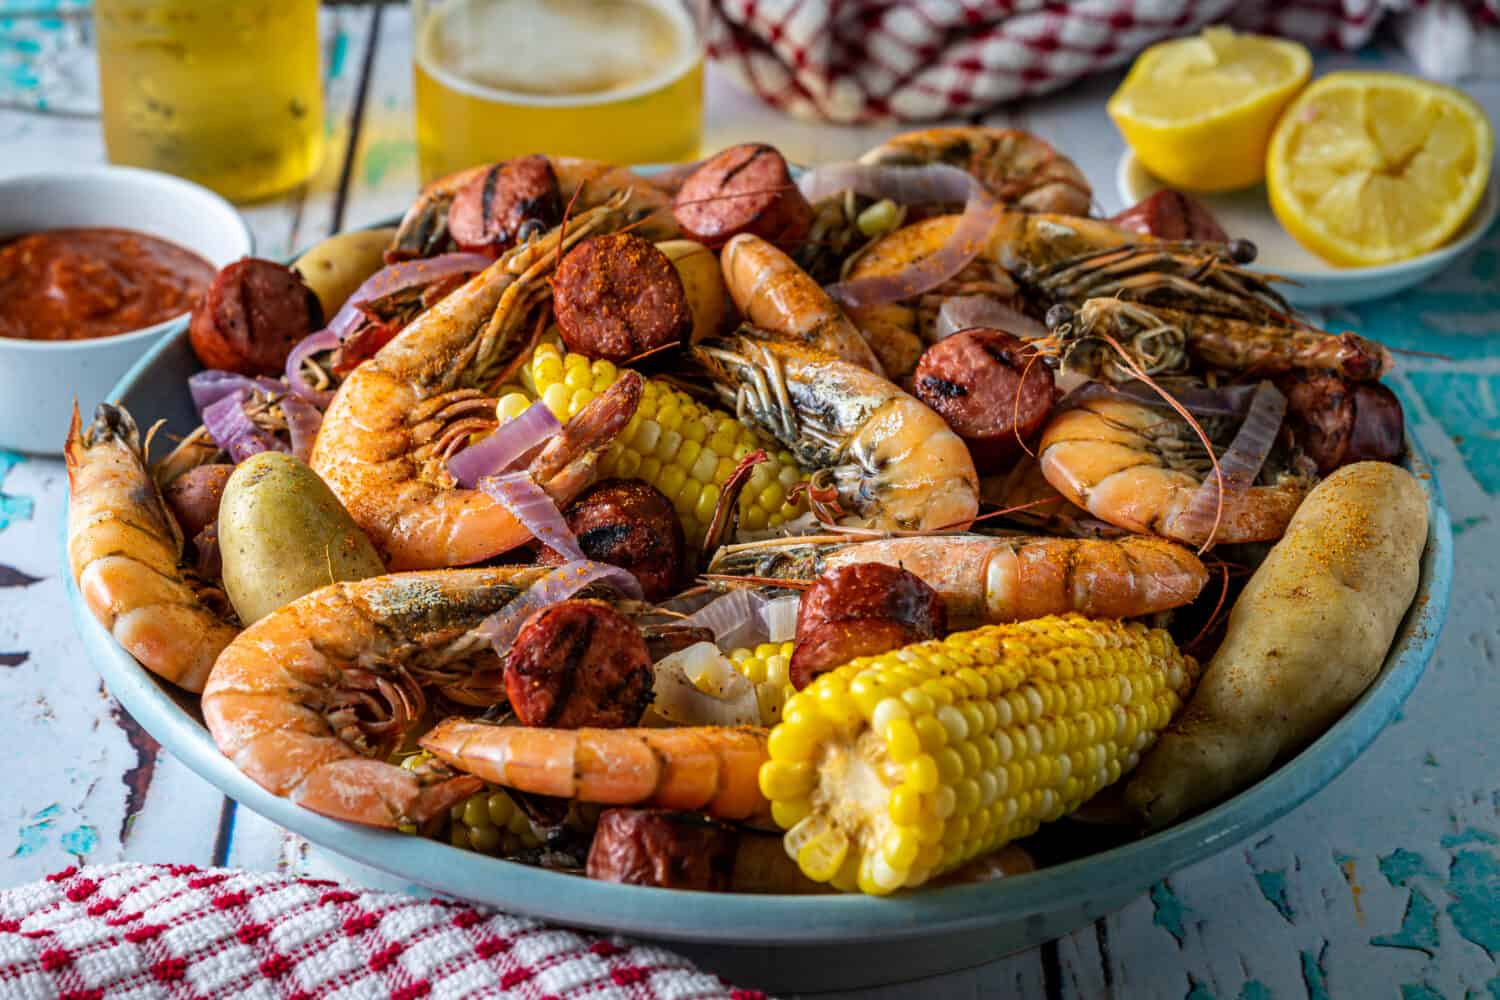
column 1384, row 884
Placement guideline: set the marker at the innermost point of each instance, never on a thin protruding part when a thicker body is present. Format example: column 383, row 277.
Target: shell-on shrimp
column 397, row 418
column 1019, row 168
column 423, row 230
column 894, row 463
column 125, row 552
column 776, row 295
column 1229, row 344
column 310, row 700
column 711, row 769
column 1139, row 468
column 988, row 579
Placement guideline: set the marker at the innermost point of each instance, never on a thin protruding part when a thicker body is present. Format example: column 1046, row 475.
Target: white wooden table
column 1386, row 883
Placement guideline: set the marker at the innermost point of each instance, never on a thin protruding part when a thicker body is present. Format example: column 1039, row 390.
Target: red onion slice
column 502, row 627
column 210, row 386
column 505, row 447
column 302, row 423
column 963, row 312
column 313, row 343
column 396, row 277
column 926, row 184
column 518, row 493
column 1240, row 463
column 234, row 431
column 1225, row 401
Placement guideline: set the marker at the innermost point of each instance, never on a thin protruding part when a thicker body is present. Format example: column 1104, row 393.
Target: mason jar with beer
column 615, row 80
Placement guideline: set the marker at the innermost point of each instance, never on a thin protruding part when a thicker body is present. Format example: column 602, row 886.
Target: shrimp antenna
column 1183, row 412
column 562, row 234
column 1015, row 408
column 1214, row 617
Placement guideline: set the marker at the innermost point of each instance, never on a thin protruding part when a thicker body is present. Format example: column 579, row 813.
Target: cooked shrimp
column 1232, row 345
column 1138, row 468
column 387, row 435
column 893, row 462
column 125, row 552
column 1018, row 168
column 424, row 228
column 710, row 769
column 310, row 700
column 985, row 579
column 776, row 295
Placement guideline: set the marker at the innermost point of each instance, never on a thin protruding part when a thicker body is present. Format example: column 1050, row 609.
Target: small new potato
column 703, row 281
column 1306, row 637
column 335, row 267
column 282, row 534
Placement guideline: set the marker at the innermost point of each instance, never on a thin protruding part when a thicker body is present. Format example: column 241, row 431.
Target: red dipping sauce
column 77, row 284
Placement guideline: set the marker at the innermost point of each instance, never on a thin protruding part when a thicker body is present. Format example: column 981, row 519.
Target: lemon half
column 1370, row 168
column 1199, row 111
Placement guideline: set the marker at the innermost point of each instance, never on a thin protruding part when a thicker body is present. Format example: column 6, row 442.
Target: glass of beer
column 223, row 92
column 613, row 80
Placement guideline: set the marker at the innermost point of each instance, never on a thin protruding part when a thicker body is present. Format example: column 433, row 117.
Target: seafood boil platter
column 733, row 554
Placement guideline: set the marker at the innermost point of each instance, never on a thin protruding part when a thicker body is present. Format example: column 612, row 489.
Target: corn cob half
column 767, row 667
column 683, row 448
column 898, row 767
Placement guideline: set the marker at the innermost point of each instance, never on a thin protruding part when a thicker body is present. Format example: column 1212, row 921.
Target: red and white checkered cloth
column 861, row 61
column 176, row 931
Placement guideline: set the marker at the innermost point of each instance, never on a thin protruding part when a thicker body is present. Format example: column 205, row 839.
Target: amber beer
column 615, row 80
column 223, row 92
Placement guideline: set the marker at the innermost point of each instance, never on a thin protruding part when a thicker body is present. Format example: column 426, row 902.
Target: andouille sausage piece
column 254, row 312
column 1336, row 421
column 630, row 524
column 745, row 189
column 618, row 296
column 489, row 213
column 194, row 497
column 990, row 387
column 860, row 610
column 657, row 847
column 1172, row 215
column 833, row 644
column 576, row 664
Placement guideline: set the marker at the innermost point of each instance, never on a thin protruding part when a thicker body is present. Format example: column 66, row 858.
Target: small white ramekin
column 40, row 379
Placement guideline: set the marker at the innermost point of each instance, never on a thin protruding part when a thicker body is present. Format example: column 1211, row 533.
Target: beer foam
column 559, row 52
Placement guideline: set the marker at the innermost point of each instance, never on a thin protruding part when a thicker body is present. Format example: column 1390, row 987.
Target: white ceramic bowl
column 1247, row 214
column 40, row 379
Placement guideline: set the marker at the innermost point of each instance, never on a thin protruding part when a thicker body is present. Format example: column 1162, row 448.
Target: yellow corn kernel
column 910, row 763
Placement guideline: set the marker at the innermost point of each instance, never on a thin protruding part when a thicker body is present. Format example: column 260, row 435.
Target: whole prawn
column 397, row 418
column 311, row 699
column 893, row 462
column 125, row 552
column 988, row 579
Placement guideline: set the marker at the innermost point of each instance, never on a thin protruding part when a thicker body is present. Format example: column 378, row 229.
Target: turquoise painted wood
column 1385, row 883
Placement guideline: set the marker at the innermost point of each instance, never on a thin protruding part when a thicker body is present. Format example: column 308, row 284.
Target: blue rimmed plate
column 764, row 940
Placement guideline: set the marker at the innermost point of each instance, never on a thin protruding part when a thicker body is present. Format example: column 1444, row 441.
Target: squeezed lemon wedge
column 1199, row 111
column 1371, row 168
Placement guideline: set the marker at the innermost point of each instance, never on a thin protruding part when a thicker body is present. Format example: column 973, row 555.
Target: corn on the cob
column 675, row 443
column 765, row 666
column 898, row 767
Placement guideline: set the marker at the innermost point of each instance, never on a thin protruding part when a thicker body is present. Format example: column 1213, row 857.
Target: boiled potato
column 1306, row 637
column 282, row 534
column 335, row 267
column 698, row 267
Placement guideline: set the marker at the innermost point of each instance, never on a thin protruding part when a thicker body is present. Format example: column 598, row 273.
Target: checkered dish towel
column 862, row 61
column 150, row 931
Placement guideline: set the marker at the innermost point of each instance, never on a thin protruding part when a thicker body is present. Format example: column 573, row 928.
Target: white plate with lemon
column 1354, row 186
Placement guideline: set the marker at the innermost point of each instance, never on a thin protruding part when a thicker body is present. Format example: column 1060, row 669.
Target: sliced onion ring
column 395, row 277
column 502, row 449
column 734, row 619
column 518, row 493
column 1200, row 401
column 925, row 184
column 1240, row 463
column 502, row 627
column 313, row 343
column 234, row 431
column 964, row 312
column 302, row 423
column 209, row 386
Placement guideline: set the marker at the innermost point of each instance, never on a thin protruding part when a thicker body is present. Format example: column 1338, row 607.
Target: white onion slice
column 925, row 184
column 963, row 312
column 734, row 619
column 730, row 700
column 779, row 617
